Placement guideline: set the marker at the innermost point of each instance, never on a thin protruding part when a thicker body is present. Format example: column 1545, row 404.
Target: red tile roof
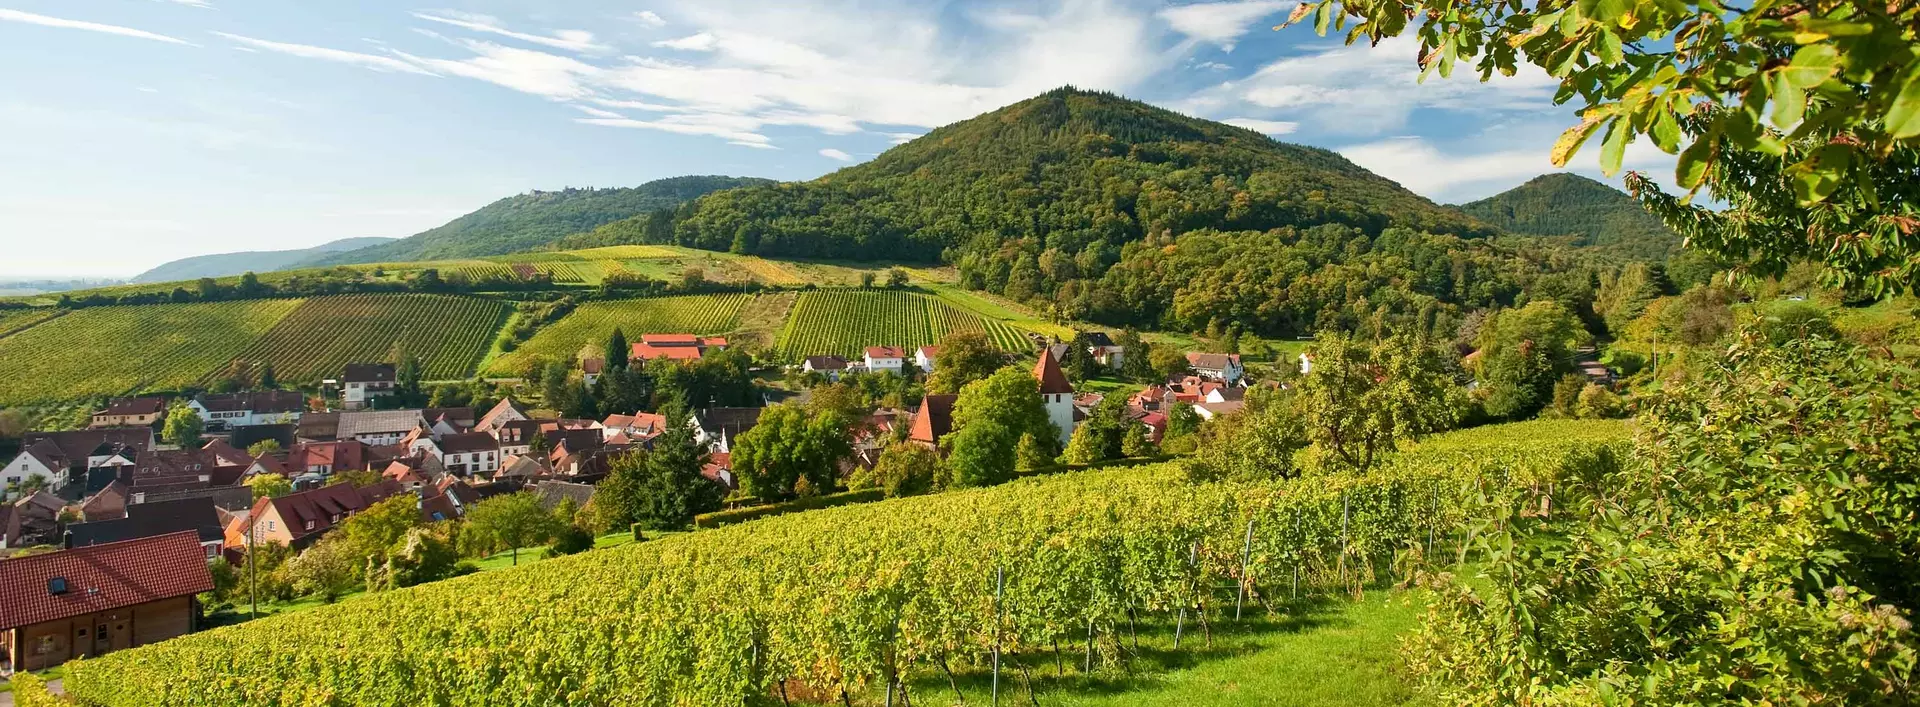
column 886, row 352
column 934, row 420
column 1047, row 371
column 669, row 339
column 102, row 578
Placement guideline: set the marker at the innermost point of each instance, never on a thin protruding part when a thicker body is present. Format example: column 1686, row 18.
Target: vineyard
column 112, row 350
column 591, row 323
column 14, row 320
column 450, row 334
column 855, row 596
column 847, row 321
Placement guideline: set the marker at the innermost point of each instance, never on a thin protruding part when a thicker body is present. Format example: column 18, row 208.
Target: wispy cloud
column 192, row 3
column 834, row 154
column 573, row 40
column 1220, row 23
column 685, row 127
column 599, row 113
column 45, row 21
column 1473, row 166
column 366, row 61
column 1270, row 127
column 649, row 18
column 525, row 70
column 902, row 138
column 701, row 42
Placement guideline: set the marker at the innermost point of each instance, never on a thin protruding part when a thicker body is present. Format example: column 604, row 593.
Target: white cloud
column 599, row 113
column 648, row 18
column 756, row 145
column 902, row 138
column 1362, row 90
column 1492, row 161
column 701, row 42
column 524, row 70
column 1221, row 23
column 635, row 105
column 683, row 125
column 1212, row 66
column 45, row 21
column 366, row 61
column 192, row 3
column 834, row 154
column 573, row 40
column 1269, row 127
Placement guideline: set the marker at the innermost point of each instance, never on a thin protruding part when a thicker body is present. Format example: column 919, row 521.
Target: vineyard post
column 1346, row 509
column 1296, row 553
column 999, row 587
column 1180, row 619
column 1246, row 556
column 1433, row 515
column 1088, row 669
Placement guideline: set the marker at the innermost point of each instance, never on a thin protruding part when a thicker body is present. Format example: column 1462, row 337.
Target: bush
column 742, row 515
column 570, row 540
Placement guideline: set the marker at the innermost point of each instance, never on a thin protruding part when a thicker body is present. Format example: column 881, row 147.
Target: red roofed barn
column 98, row 599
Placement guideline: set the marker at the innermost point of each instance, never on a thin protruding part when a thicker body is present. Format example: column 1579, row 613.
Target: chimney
column 66, row 539
column 140, row 497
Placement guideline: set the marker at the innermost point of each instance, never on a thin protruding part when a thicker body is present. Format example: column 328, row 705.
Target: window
column 269, row 526
column 309, row 525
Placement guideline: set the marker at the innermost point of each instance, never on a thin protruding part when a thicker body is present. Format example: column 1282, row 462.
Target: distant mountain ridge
column 226, row 264
column 528, row 221
column 1582, row 212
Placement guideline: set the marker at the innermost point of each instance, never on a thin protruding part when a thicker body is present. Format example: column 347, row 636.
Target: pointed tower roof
column 1047, row 371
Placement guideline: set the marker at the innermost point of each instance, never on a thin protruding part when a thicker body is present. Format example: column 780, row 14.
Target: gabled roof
column 458, row 417
column 377, row 422
column 552, row 492
column 930, row 351
column 1047, row 371
column 270, row 402
column 101, row 578
column 321, row 505
column 934, row 419
column 826, row 363
column 369, row 373
column 507, row 410
column 319, row 426
column 224, row 454
column 145, row 520
column 1212, row 361
column 468, row 442
column 886, row 352
column 732, row 421
column 1099, row 338
column 134, row 406
column 108, row 503
column 73, row 446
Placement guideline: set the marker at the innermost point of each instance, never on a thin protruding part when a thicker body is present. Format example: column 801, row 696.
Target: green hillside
column 225, row 264
column 1586, row 212
column 105, row 351
column 527, row 221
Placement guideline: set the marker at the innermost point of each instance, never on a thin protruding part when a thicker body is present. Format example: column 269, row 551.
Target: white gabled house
column 888, row 359
column 267, row 407
column 924, row 358
column 1221, row 367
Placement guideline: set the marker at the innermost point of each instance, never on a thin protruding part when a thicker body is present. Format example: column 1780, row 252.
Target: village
column 118, row 535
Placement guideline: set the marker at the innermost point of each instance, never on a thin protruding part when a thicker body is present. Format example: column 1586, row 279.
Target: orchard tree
column 183, row 427
column 981, row 454
column 1363, row 399
column 1011, row 398
column 1802, row 116
column 963, row 357
column 788, row 445
column 509, row 521
column 269, row 486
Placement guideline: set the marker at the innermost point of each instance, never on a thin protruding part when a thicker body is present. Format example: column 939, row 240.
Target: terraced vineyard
column 112, row 350
column 847, row 321
column 450, row 334
column 593, row 321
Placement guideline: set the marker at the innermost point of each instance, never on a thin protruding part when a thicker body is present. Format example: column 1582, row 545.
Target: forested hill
column 224, row 264
column 528, row 221
column 1586, row 212
column 1068, row 171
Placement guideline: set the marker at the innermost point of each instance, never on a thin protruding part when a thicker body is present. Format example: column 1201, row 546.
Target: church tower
column 1056, row 393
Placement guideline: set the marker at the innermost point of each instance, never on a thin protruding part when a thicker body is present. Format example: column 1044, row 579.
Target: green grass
column 1322, row 654
column 104, row 351
column 992, row 307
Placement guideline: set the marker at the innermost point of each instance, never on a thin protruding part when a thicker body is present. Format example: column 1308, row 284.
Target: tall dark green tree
column 617, row 350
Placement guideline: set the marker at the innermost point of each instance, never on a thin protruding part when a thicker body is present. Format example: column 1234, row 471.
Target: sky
column 140, row 131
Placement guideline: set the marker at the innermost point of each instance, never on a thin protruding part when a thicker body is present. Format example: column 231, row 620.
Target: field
column 591, row 323
column 993, row 307
column 112, row 350
column 13, row 320
column 450, row 334
column 846, row 321
column 832, row 598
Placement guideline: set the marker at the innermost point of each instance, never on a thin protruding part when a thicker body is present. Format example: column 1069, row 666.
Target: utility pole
column 253, row 570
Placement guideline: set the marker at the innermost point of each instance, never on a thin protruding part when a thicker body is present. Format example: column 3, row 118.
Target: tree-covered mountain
column 527, row 221
column 1068, row 172
column 1579, row 211
column 225, row 264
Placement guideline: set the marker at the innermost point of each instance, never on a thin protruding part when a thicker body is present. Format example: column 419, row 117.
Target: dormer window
column 309, row 525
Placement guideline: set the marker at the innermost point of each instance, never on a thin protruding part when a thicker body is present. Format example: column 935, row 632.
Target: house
column 146, row 520
column 318, row 427
column 1220, row 367
column 1104, row 350
column 933, row 421
column 1156, row 424
column 679, row 347
column 1210, row 411
column 887, row 359
column 923, row 357
column 830, row 366
column 638, row 428
column 591, row 368
column 297, row 519
column 318, row 460
column 719, row 469
column 571, row 451
column 62, row 456
column 451, row 419
column 168, row 470
column 130, row 412
column 551, row 493
column 266, row 407
column 463, row 453
column 32, row 520
column 1056, row 394
column 93, row 600
column 524, row 468
column 516, row 437
column 364, row 382
column 107, row 503
column 380, row 427
column 718, row 427
column 503, row 412
column 447, row 499
column 878, row 429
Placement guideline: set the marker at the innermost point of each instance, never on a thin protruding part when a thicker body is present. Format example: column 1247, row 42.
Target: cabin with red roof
column 679, row 347
column 93, row 600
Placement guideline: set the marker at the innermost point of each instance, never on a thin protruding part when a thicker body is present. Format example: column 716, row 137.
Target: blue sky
column 138, row 131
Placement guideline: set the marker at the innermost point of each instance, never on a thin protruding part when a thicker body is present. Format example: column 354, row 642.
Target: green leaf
column 1694, row 161
column 1610, row 51
column 1571, row 140
column 1903, row 116
column 1665, row 130
column 1816, row 177
column 1614, row 150
column 1812, row 65
column 1789, row 102
column 1322, row 16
